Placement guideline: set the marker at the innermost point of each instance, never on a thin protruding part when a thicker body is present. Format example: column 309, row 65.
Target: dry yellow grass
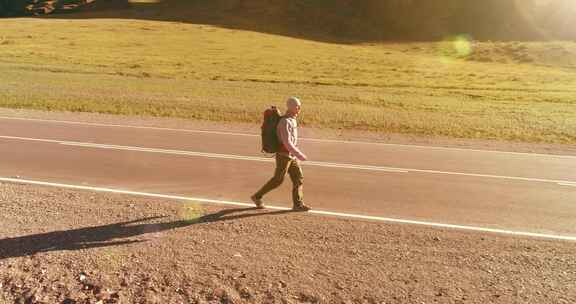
column 510, row 91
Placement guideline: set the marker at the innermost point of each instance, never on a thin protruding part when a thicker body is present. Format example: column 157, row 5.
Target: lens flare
column 191, row 212
column 456, row 47
column 462, row 45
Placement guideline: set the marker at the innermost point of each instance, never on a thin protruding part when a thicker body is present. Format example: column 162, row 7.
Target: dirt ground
column 62, row 246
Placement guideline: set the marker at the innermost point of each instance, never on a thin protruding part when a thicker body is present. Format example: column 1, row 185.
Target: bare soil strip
column 61, row 246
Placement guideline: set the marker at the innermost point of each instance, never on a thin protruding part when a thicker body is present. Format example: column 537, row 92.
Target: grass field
column 487, row 90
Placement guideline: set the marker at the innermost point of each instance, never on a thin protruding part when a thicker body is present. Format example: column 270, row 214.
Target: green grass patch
column 483, row 90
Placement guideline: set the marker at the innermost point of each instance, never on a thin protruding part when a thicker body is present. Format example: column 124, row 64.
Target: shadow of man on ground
column 228, row 214
column 112, row 234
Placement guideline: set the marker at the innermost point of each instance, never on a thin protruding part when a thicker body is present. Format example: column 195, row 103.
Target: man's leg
column 282, row 164
column 297, row 177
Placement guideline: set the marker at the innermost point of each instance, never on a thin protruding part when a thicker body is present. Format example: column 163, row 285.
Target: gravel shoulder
column 62, row 246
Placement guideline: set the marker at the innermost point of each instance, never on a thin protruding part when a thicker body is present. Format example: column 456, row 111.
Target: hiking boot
column 258, row 202
column 301, row 208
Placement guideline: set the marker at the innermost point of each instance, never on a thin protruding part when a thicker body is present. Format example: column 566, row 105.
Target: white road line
column 261, row 159
column 515, row 178
column 303, row 139
column 568, row 184
column 128, row 126
column 200, row 154
column 318, row 212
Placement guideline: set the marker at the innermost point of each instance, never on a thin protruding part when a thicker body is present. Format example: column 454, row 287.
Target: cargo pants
column 285, row 164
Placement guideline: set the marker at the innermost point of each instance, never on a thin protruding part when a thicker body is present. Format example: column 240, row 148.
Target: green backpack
column 270, row 141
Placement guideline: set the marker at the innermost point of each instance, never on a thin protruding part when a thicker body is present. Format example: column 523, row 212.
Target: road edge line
column 317, row 212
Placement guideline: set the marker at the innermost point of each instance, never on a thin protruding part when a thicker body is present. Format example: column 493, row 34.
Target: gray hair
column 293, row 102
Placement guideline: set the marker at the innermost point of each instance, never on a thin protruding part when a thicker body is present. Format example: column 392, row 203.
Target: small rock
column 82, row 277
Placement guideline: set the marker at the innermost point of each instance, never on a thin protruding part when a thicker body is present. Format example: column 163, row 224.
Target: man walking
column 287, row 159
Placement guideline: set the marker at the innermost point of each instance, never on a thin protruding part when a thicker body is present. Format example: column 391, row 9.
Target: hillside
column 343, row 19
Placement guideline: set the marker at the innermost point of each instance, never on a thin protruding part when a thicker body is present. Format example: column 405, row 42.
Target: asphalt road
column 492, row 189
